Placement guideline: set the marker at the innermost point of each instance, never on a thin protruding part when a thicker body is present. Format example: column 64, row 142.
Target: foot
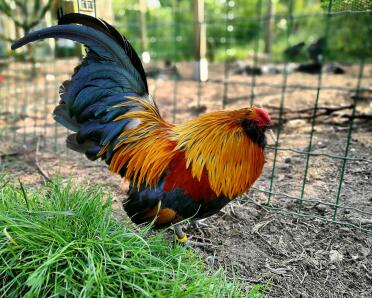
column 196, row 244
column 182, row 239
column 197, row 224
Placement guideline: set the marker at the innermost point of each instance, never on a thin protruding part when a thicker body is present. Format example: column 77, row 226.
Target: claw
column 198, row 224
column 196, row 244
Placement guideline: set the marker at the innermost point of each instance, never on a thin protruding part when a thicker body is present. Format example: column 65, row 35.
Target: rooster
column 176, row 172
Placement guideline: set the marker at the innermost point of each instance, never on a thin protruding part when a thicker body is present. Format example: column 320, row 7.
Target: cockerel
column 176, row 172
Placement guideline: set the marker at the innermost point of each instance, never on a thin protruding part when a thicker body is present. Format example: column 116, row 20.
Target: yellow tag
column 183, row 239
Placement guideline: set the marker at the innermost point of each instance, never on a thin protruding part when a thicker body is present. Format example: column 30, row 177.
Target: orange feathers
column 214, row 143
column 217, row 142
column 145, row 150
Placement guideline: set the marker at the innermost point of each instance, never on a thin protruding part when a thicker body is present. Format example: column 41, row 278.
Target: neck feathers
column 218, row 142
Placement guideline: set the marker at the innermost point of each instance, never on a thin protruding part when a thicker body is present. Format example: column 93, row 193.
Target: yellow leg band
column 183, row 239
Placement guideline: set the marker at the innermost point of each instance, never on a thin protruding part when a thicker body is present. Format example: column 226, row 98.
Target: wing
column 177, row 196
column 106, row 102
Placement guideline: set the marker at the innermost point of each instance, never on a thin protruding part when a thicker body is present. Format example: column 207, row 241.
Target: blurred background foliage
column 235, row 27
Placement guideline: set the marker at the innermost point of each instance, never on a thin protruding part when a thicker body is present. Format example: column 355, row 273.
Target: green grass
column 63, row 241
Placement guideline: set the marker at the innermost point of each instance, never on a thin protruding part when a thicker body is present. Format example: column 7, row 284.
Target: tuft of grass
column 62, row 240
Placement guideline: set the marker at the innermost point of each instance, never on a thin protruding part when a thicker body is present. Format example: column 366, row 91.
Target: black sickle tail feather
column 106, row 28
column 102, row 87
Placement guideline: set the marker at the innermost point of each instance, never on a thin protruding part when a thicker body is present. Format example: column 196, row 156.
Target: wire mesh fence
column 320, row 163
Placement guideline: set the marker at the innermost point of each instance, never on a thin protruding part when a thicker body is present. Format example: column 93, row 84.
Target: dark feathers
column 106, row 28
column 102, row 87
column 141, row 202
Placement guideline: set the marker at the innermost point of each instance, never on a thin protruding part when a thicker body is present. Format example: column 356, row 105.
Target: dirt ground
column 296, row 256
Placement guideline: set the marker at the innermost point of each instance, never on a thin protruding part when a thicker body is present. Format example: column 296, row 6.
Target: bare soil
column 296, row 251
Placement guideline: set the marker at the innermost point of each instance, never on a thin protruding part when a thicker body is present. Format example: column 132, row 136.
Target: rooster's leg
column 180, row 235
column 182, row 239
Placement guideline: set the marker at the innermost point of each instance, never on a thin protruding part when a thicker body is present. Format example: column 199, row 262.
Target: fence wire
column 320, row 164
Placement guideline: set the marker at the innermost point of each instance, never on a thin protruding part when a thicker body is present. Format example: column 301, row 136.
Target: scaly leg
column 180, row 235
column 182, row 238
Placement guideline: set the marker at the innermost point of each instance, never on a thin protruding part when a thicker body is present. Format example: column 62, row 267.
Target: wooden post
column 143, row 29
column 62, row 7
column 269, row 27
column 200, row 33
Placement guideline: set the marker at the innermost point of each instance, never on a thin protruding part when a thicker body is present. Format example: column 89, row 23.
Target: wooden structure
column 200, row 33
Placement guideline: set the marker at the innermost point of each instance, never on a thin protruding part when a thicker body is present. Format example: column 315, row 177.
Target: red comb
column 263, row 114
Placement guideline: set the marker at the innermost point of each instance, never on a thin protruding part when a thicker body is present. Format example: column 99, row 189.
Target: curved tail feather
column 106, row 85
column 106, row 28
column 101, row 44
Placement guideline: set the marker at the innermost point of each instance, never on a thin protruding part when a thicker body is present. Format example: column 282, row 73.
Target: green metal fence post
column 255, row 50
column 313, row 119
column 349, row 134
column 282, row 99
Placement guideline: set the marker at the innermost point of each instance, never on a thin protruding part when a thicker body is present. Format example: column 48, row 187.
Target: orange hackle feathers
column 146, row 149
column 216, row 142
